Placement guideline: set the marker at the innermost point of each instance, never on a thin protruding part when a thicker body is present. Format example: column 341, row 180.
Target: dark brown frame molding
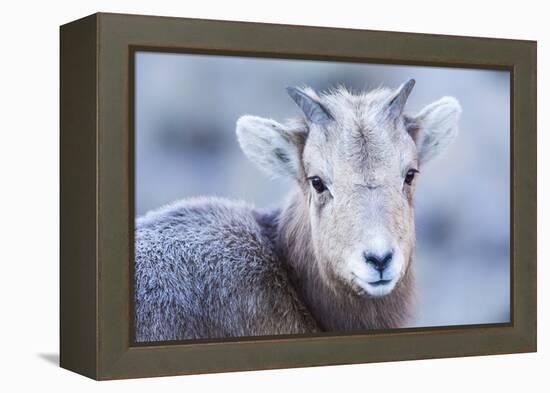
column 97, row 197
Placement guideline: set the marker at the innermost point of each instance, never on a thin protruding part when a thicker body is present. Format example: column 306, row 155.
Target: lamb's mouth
column 380, row 282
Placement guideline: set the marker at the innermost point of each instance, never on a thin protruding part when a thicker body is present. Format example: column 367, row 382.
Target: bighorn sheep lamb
column 336, row 257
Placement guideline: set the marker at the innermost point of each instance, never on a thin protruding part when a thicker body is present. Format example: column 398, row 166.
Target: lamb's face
column 356, row 159
column 360, row 184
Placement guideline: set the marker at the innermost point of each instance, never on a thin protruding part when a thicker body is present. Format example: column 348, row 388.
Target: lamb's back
column 208, row 268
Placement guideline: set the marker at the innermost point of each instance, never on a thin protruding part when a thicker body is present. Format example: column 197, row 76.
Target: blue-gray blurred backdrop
column 186, row 109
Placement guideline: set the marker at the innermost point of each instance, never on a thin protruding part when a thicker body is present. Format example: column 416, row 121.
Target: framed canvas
column 242, row 196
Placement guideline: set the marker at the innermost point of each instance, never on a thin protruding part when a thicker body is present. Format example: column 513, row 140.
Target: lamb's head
column 356, row 158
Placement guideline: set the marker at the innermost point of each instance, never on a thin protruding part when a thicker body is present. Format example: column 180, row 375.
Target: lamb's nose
column 380, row 262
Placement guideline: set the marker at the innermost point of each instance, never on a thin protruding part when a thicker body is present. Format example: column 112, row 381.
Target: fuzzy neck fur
column 334, row 309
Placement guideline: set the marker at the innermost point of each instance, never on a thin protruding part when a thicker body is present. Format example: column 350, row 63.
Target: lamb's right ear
column 435, row 127
column 269, row 145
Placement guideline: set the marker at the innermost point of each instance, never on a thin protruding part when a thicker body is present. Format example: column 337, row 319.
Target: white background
column 29, row 194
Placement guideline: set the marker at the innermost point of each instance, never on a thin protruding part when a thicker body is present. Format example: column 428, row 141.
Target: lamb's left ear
column 269, row 145
column 435, row 127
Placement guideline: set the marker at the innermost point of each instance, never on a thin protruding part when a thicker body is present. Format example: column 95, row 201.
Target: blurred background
column 185, row 114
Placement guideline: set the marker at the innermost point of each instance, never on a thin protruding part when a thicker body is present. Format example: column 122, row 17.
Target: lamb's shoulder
column 211, row 233
column 214, row 261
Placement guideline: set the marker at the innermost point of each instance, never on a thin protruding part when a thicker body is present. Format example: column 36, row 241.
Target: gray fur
column 208, row 268
column 213, row 268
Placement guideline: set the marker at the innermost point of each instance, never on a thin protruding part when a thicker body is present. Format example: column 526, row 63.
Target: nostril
column 380, row 262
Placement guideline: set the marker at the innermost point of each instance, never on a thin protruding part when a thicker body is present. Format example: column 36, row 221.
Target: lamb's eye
column 409, row 177
column 317, row 183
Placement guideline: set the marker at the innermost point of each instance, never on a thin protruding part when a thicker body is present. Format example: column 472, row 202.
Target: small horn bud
column 398, row 101
column 314, row 111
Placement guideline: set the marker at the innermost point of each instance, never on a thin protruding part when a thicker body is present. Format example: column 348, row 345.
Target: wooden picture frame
column 97, row 195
